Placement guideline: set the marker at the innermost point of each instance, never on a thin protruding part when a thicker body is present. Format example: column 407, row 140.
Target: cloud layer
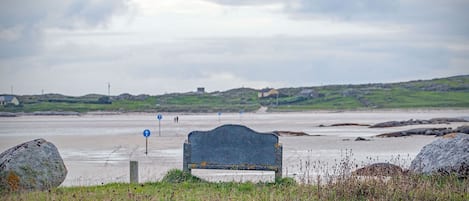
column 22, row 23
column 143, row 46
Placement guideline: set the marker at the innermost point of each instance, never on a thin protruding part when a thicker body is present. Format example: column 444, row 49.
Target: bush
column 286, row 181
column 178, row 176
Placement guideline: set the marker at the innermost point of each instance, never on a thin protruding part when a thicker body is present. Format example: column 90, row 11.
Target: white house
column 5, row 100
column 267, row 92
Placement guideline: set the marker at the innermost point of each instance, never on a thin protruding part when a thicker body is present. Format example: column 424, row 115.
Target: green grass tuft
column 179, row 176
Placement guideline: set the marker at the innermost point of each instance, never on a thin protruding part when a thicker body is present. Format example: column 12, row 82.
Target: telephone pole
column 109, row 89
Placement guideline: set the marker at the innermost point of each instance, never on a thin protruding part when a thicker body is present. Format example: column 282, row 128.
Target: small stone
column 361, row 139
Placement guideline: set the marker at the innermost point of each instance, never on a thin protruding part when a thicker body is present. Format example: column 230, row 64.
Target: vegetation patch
column 451, row 92
column 182, row 186
column 178, row 176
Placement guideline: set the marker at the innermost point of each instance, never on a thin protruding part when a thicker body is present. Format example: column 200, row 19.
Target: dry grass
column 404, row 187
column 337, row 183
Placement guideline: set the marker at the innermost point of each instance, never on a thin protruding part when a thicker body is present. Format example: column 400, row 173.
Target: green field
column 180, row 187
column 452, row 92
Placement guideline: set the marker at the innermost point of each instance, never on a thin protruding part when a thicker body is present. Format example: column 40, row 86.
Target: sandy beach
column 97, row 148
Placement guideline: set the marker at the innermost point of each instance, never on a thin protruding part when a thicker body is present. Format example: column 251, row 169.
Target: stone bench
column 233, row 147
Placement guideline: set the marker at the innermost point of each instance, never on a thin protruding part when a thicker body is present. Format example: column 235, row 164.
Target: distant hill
column 451, row 92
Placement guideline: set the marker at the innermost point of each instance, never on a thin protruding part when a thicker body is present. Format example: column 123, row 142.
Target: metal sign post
column 241, row 115
column 146, row 134
column 159, row 117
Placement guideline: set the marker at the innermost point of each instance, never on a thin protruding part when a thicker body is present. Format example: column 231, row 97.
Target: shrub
column 178, row 176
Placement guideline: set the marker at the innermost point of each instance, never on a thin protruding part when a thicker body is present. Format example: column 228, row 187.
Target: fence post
column 186, row 158
column 278, row 161
column 133, row 171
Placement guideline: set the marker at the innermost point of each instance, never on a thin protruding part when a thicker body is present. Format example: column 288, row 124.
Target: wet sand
column 97, row 148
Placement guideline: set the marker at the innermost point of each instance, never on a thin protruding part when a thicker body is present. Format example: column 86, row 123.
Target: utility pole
column 277, row 98
column 109, row 89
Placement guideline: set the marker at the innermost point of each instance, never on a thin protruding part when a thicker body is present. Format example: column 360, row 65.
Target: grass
column 393, row 98
column 177, row 185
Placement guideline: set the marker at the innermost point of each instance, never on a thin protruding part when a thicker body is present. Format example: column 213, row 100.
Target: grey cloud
column 291, row 61
column 244, row 2
column 27, row 41
column 441, row 19
column 295, row 60
column 345, row 10
column 33, row 17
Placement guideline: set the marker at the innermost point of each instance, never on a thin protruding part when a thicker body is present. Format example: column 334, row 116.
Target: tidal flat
column 97, row 148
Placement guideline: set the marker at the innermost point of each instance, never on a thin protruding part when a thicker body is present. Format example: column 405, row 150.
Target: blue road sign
column 146, row 133
column 159, row 116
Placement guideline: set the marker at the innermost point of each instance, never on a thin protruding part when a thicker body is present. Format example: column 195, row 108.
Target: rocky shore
column 291, row 133
column 7, row 114
column 426, row 131
column 417, row 122
column 56, row 113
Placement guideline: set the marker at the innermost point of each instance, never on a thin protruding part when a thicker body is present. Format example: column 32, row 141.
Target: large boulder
column 33, row 165
column 447, row 155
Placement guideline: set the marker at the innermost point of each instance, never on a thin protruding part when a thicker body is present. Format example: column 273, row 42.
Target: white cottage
column 5, row 100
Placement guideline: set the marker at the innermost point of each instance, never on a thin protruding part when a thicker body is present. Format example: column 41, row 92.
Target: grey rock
column 33, row 165
column 361, row 139
column 55, row 113
column 379, row 169
column 448, row 154
column 447, row 120
column 7, row 114
column 419, row 131
column 463, row 129
column 417, row 122
column 386, row 124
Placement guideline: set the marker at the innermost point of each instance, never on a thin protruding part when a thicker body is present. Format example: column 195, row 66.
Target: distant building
column 267, row 92
column 308, row 93
column 5, row 100
column 200, row 90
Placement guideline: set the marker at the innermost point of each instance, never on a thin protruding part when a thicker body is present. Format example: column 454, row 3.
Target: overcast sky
column 76, row 47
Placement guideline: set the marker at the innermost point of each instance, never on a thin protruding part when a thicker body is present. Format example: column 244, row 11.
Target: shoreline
column 321, row 111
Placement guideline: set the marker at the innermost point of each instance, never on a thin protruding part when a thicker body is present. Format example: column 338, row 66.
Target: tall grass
column 338, row 184
column 351, row 188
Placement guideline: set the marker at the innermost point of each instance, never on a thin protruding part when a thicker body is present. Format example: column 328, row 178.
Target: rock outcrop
column 33, row 165
column 291, row 133
column 361, row 139
column 446, row 155
column 55, row 113
column 379, row 169
column 426, row 131
column 349, row 124
column 7, row 114
column 417, row 122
